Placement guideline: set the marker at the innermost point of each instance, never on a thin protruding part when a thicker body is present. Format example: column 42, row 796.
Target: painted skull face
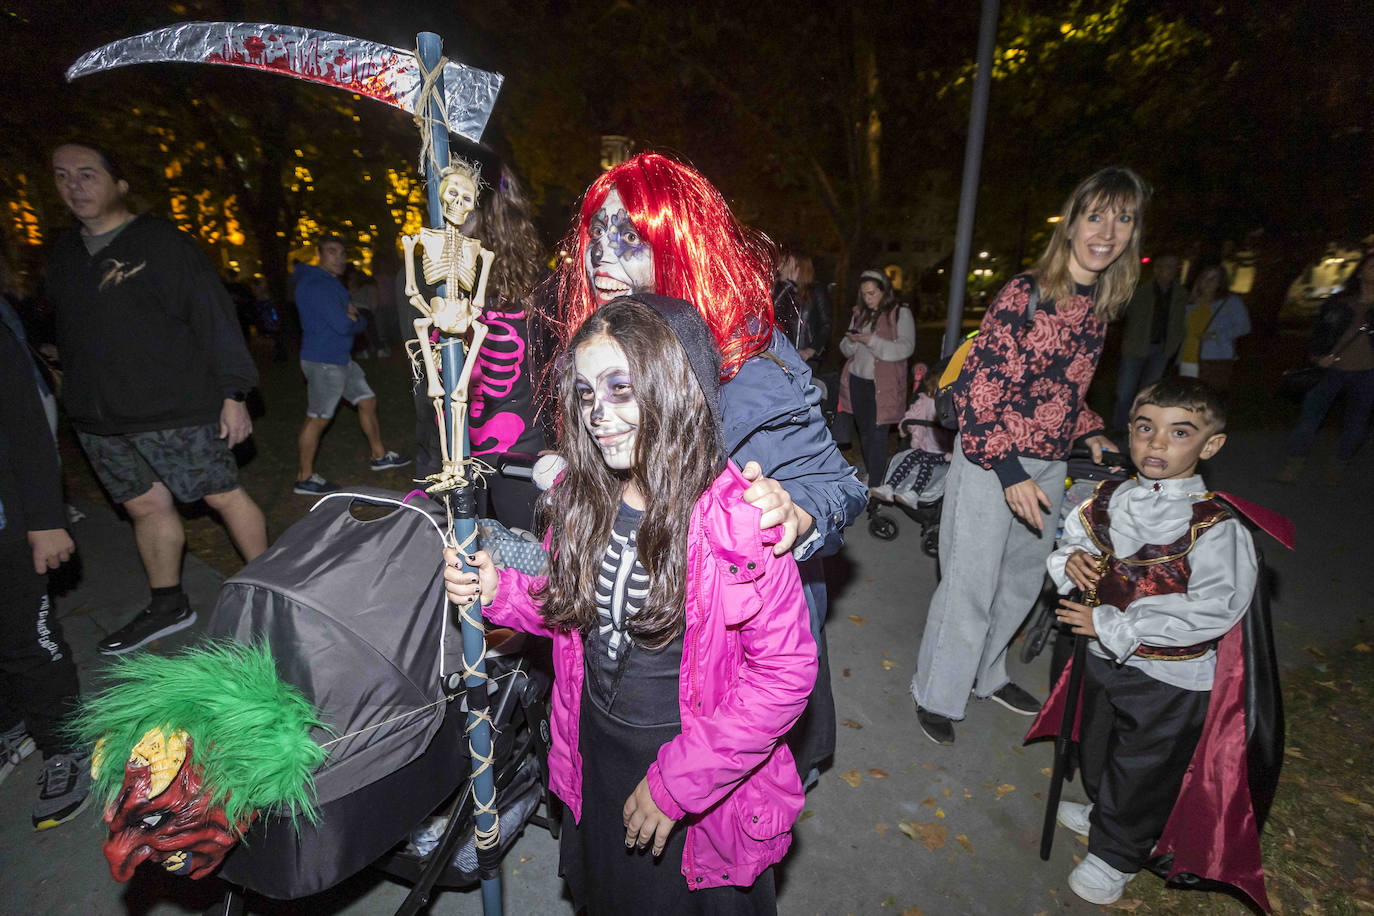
column 161, row 815
column 619, row 260
column 458, row 194
column 606, row 399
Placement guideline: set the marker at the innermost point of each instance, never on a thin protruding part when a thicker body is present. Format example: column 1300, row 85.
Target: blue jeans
column 1134, row 374
column 1359, row 400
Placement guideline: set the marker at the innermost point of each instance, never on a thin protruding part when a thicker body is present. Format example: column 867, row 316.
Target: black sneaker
column 64, row 790
column 145, row 628
column 1016, row 699
column 939, row 729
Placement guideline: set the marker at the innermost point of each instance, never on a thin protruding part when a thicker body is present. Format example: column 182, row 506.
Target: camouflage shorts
column 192, row 461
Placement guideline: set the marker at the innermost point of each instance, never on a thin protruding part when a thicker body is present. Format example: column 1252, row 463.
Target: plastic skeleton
column 450, row 257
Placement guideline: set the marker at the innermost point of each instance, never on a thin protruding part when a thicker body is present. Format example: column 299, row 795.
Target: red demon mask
column 162, row 813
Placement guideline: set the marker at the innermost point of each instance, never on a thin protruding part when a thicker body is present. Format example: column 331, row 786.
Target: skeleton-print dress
column 629, row 711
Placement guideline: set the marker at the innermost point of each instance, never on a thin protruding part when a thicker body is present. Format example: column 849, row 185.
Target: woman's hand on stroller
column 1082, row 569
column 645, row 821
column 770, row 498
column 1099, row 444
column 463, row 586
column 1079, row 617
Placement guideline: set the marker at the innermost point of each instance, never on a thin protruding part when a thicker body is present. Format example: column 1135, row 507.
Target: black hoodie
column 146, row 331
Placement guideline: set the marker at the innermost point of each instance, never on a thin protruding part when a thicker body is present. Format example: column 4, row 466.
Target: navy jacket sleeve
column 30, row 482
column 772, row 415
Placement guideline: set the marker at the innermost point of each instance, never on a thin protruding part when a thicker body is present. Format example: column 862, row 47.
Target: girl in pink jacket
column 681, row 644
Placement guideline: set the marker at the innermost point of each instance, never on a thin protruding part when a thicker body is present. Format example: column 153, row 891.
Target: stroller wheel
column 1039, row 632
column 882, row 527
column 930, row 540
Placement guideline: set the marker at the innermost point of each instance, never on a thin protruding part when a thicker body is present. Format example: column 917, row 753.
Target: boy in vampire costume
column 1179, row 721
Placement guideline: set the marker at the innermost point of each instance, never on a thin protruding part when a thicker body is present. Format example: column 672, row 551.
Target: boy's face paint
column 619, row 260
column 606, row 400
column 1168, row 442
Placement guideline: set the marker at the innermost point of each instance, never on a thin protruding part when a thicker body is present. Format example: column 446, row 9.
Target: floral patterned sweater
column 1022, row 390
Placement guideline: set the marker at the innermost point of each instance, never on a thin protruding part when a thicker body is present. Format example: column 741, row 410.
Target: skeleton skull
column 458, row 193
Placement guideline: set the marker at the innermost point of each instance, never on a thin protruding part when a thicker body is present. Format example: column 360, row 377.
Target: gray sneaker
column 64, row 790
column 16, row 745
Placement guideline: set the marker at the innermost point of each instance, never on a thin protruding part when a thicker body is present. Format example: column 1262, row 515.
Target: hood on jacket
column 699, row 344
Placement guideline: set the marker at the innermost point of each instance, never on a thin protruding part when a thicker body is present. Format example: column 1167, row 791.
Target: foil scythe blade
column 378, row 71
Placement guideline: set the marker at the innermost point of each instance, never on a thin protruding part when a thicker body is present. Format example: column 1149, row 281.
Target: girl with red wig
column 655, row 225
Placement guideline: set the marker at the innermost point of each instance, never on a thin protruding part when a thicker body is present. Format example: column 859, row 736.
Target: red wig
column 701, row 254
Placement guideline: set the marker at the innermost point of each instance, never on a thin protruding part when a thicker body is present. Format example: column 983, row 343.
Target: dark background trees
column 838, row 125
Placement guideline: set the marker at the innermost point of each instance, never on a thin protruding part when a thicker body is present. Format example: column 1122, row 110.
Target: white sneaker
column 1097, row 882
column 1074, row 815
column 882, row 494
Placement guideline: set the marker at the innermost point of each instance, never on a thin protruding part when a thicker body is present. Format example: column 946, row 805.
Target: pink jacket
column 748, row 666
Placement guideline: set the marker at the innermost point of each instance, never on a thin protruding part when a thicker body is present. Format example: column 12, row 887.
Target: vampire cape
column 1213, row 831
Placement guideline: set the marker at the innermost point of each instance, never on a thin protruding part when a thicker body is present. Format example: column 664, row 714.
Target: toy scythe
column 444, row 96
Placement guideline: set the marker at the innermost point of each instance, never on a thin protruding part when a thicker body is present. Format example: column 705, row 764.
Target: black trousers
column 1136, row 741
column 37, row 675
column 863, row 399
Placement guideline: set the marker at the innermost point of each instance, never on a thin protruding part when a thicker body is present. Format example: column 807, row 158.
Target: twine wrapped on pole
column 461, row 501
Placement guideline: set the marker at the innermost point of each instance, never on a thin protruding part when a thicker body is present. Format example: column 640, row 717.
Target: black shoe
column 1017, row 700
column 145, row 628
column 939, row 729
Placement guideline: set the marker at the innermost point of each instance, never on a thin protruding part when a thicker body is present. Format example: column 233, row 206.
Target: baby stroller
column 921, row 503
column 350, row 600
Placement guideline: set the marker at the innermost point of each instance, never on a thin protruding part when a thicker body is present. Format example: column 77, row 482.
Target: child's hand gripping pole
column 1090, row 568
column 464, row 587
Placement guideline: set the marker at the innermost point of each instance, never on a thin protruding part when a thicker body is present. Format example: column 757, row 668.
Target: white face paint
column 619, row 260
column 606, row 399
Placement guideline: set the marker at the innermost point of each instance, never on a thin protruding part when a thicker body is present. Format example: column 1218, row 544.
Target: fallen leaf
column 888, row 664
column 967, row 794
column 939, row 813
column 1046, row 772
column 880, row 829
column 524, row 859
column 931, row 836
column 805, row 815
column 1293, row 752
column 1363, row 647
column 1348, row 799
column 850, row 723
column 853, row 777
column 1127, row 904
column 877, row 773
column 1314, row 652
column 913, row 910
column 946, row 793
column 1329, row 685
column 928, row 802
column 1079, row 838
column 846, row 672
column 890, row 901
column 963, row 841
column 1003, row 789
column 926, row 766
column 858, row 621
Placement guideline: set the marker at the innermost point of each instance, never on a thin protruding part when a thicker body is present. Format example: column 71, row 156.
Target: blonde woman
column 1021, row 401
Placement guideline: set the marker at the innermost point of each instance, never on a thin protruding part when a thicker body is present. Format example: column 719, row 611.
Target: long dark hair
column 504, row 225
column 675, row 460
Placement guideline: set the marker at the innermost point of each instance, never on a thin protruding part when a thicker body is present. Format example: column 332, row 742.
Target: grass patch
column 1319, row 842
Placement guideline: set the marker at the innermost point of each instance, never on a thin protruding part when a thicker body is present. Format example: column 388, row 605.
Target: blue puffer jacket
column 772, row 415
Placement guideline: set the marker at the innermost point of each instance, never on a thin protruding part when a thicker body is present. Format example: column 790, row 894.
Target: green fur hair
column 250, row 731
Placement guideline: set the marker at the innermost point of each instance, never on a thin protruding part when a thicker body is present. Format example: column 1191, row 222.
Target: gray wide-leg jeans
column 991, row 568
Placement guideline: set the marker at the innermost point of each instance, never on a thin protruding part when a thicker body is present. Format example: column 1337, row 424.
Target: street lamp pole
column 968, row 192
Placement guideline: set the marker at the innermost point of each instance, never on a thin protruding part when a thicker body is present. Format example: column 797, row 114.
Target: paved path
column 975, row 808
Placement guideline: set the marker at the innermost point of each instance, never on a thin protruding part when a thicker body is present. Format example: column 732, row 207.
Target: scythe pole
column 462, row 506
